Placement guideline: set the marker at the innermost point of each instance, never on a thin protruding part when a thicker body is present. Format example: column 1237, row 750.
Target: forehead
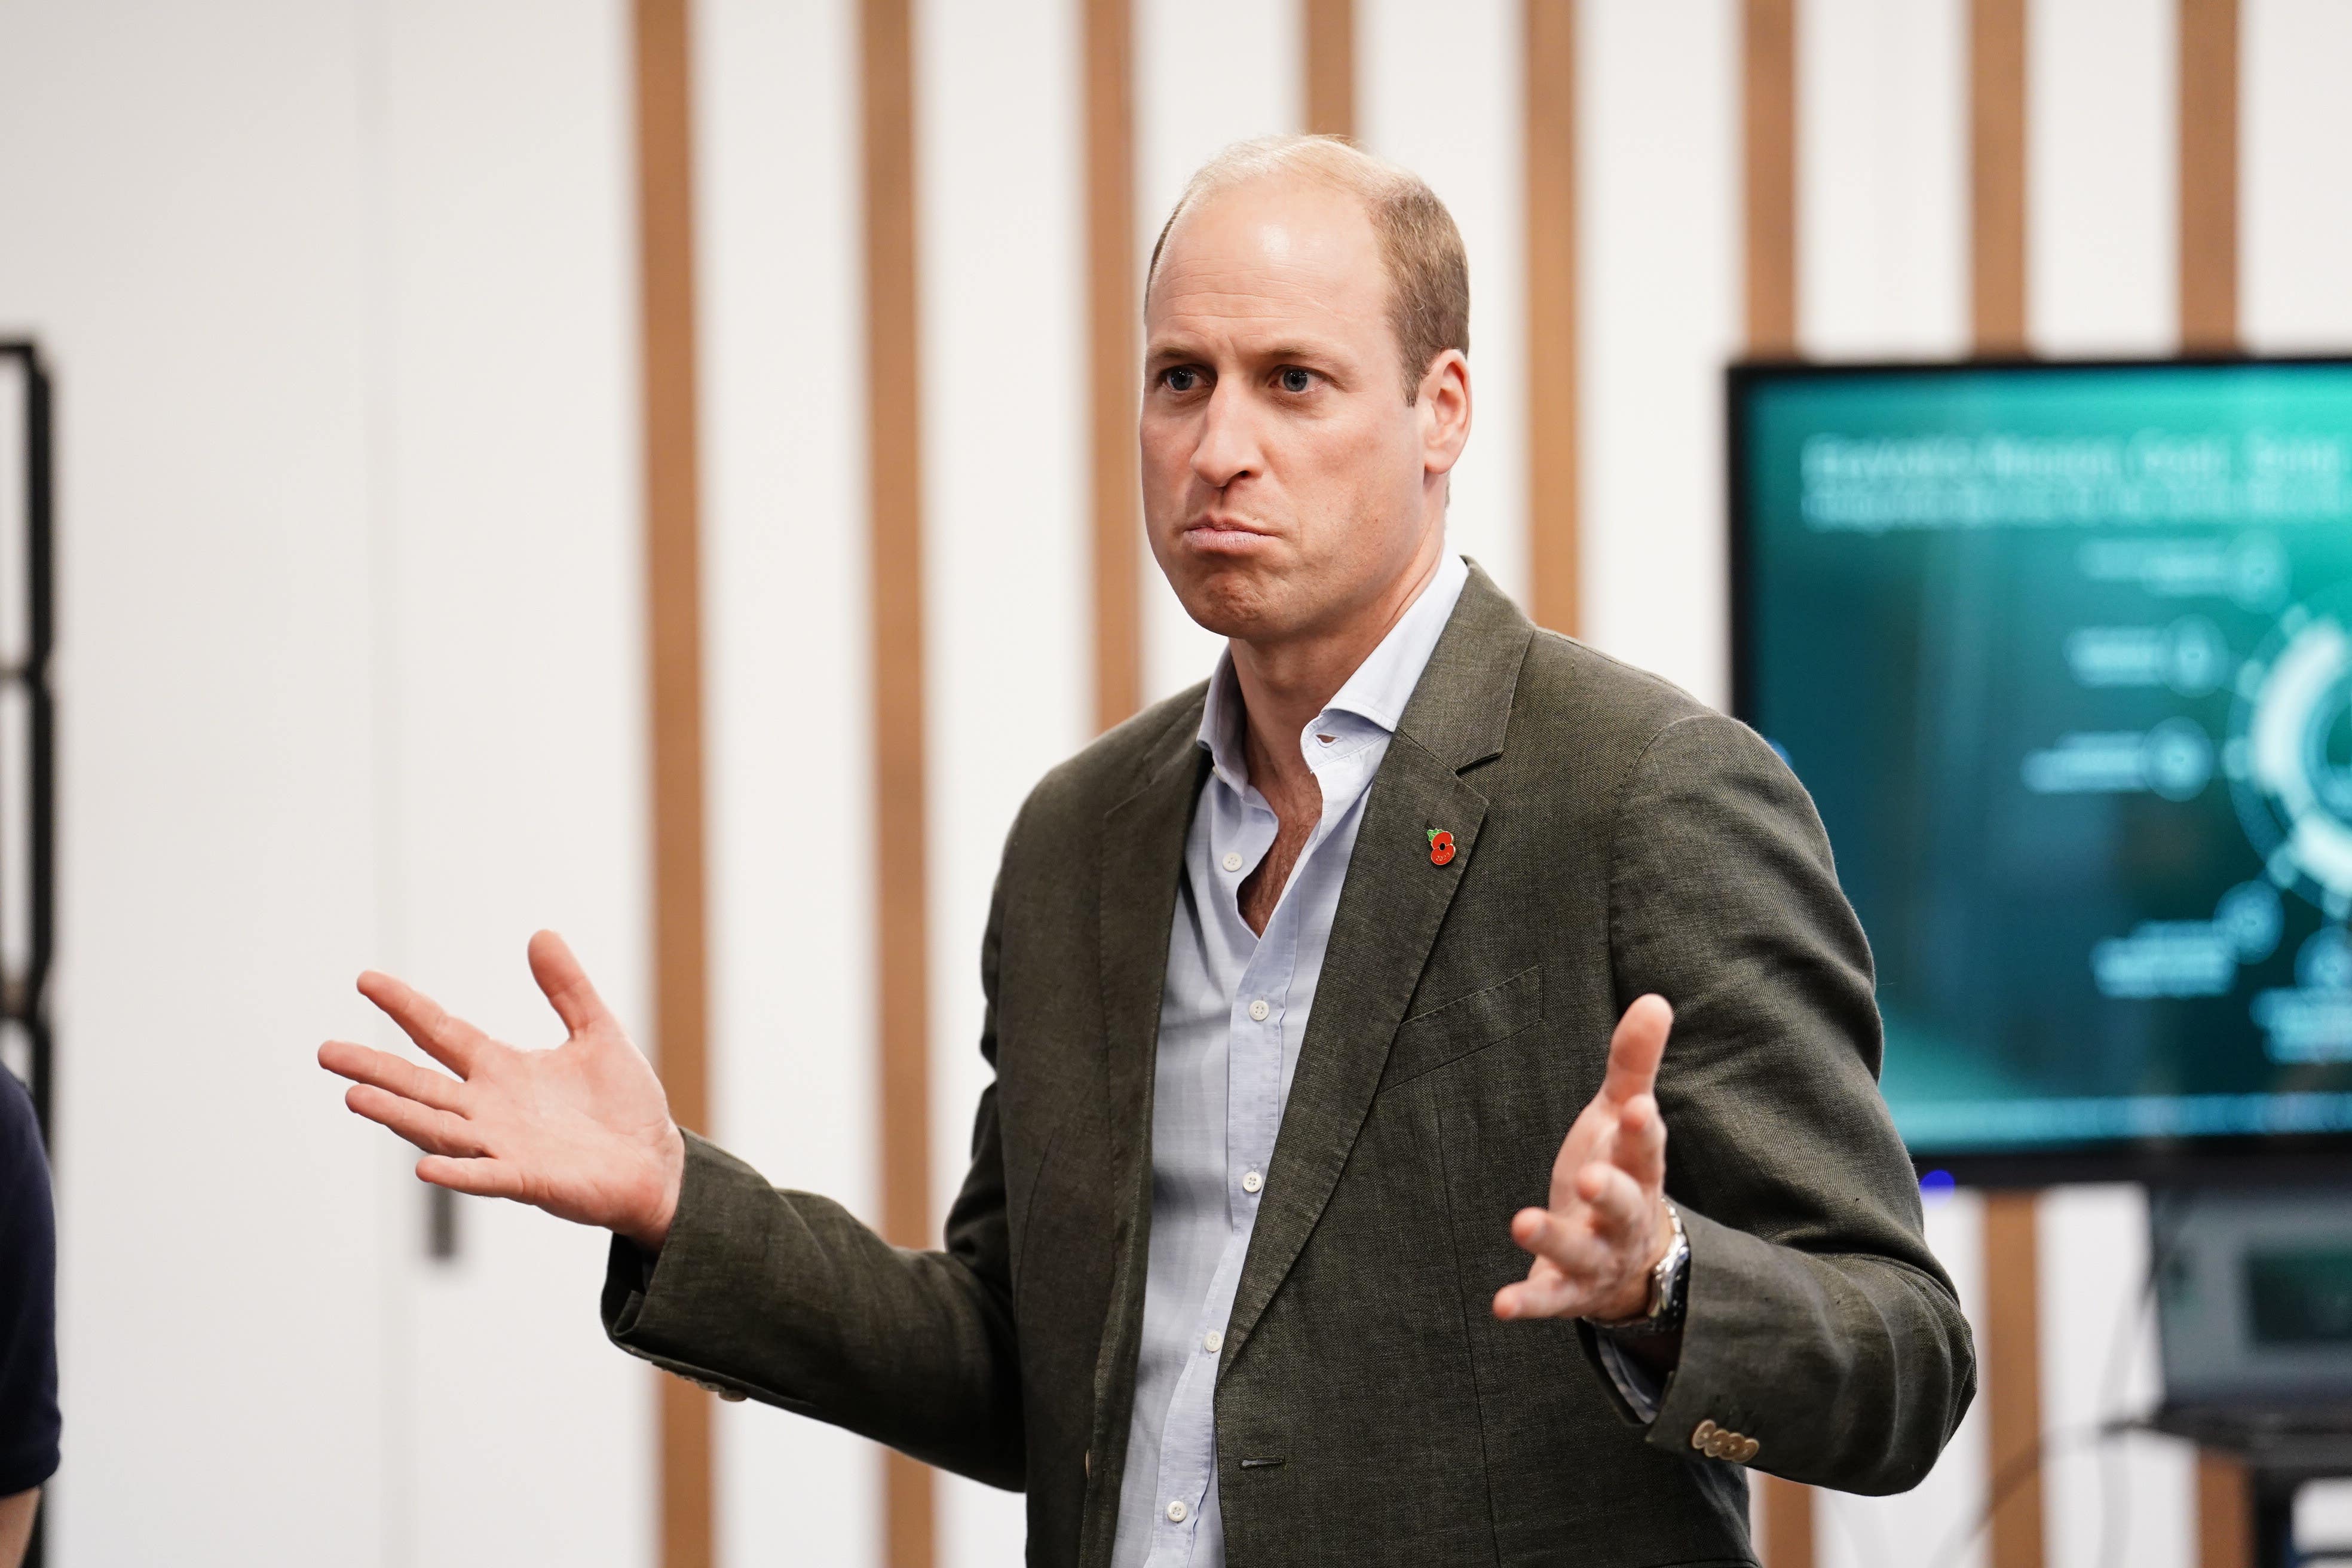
column 1276, row 253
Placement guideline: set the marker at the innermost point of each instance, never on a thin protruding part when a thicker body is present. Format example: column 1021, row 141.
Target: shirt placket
column 1253, row 1031
column 1254, row 1036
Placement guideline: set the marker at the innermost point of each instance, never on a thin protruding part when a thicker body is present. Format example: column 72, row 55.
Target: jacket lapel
column 1142, row 862
column 1391, row 907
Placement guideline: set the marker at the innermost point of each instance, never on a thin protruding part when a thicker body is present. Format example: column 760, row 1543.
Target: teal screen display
column 2064, row 653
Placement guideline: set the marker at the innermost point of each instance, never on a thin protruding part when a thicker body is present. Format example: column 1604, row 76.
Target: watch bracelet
column 1669, row 1289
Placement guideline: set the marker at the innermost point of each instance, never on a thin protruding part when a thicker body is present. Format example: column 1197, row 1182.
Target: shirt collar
column 1377, row 691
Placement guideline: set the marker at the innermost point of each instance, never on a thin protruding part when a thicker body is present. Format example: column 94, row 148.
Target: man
column 28, row 1334
column 1294, row 982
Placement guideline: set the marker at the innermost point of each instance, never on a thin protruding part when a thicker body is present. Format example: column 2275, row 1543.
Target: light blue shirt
column 1230, row 1019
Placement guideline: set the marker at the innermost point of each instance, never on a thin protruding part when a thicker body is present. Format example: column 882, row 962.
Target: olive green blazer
column 1614, row 837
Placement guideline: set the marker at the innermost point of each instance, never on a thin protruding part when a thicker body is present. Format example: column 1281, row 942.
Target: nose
column 1227, row 448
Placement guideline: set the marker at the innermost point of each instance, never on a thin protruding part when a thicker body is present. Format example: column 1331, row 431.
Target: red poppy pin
column 1441, row 846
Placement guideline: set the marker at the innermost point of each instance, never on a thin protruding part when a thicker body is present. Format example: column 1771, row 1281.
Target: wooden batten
column 664, row 166
column 1553, row 567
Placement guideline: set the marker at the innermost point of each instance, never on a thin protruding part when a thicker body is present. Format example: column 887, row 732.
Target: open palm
column 583, row 1131
column 1604, row 1226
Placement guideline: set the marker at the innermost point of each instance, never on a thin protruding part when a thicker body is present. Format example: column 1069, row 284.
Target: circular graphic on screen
column 2289, row 757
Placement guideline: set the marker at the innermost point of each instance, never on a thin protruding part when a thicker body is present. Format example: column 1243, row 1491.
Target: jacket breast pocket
column 1447, row 1033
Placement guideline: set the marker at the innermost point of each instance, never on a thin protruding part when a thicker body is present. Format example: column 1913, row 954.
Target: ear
column 1444, row 408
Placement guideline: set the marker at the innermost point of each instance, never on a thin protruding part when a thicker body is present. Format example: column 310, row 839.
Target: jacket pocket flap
column 1452, row 1030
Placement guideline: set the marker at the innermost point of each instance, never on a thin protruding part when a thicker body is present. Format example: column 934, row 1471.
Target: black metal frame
column 24, row 998
column 2253, row 1159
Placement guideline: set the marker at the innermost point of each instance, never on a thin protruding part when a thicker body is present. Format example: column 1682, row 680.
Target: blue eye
column 1295, row 380
column 1181, row 378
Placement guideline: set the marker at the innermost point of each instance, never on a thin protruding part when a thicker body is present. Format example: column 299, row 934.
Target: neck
column 1285, row 684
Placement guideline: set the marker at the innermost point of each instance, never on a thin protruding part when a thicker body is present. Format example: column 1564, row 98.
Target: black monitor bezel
column 2236, row 1159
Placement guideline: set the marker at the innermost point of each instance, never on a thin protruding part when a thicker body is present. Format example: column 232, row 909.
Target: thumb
column 566, row 984
column 1635, row 1049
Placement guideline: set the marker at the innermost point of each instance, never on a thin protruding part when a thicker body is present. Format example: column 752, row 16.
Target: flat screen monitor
column 2064, row 653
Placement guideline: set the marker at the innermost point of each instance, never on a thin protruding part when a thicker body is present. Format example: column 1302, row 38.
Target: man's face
column 1288, row 485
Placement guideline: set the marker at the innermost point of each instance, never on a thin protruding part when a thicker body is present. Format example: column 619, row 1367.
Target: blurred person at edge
column 28, row 1336
column 1271, row 1250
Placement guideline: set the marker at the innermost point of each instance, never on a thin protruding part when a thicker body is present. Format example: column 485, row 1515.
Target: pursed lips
column 1213, row 532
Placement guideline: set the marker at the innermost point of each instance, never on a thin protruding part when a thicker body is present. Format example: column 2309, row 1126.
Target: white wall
column 786, row 679
column 505, row 512
column 1881, row 179
column 349, row 675
column 2296, row 218
column 222, row 1289
column 1658, row 309
column 1009, row 635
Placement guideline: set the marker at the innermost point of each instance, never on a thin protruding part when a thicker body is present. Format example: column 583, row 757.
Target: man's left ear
column 1444, row 405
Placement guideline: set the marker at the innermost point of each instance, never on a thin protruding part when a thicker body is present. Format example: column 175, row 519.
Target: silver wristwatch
column 1662, row 1313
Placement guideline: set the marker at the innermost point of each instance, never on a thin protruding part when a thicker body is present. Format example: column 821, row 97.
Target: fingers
column 1614, row 1220
column 1638, row 1147
column 387, row 1071
column 481, row 1178
column 1636, row 1048
column 566, row 984
column 1545, row 1293
column 434, row 1131
column 1587, row 1255
column 451, row 1041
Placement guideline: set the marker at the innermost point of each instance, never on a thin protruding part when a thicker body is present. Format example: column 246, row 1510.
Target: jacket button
column 1702, row 1434
column 1088, row 1461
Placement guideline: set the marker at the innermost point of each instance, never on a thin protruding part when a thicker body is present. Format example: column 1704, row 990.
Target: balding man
column 1272, row 1251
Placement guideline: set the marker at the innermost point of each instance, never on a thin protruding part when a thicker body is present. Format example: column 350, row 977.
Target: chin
column 1230, row 601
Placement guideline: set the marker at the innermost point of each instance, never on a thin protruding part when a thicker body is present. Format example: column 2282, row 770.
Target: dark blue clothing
column 29, row 1293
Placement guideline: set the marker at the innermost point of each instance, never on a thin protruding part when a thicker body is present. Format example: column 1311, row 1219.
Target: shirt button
column 1232, row 861
column 1258, row 1010
column 1213, row 1340
column 1177, row 1511
column 1251, row 1181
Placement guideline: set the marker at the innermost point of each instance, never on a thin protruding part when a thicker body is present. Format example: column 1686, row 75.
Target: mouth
column 1222, row 535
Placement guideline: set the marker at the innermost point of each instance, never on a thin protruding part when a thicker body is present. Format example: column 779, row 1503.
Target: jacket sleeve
column 1818, row 1322
column 788, row 1298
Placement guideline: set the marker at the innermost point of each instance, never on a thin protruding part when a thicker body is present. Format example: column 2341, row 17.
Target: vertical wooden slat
column 1331, row 67
column 1114, row 373
column 2208, row 89
column 2208, row 175
column 1768, row 117
column 2011, row 1351
column 1552, row 562
column 2225, row 1511
column 2011, row 1346
column 1769, row 191
column 894, row 489
column 674, row 651
column 1997, row 68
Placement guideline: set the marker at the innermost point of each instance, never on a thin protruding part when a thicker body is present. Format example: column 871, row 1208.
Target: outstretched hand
column 583, row 1131
column 1606, row 1225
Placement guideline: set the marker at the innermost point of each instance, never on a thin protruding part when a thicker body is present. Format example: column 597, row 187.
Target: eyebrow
column 1285, row 350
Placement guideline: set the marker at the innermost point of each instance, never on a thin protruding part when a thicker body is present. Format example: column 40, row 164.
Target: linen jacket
column 1612, row 836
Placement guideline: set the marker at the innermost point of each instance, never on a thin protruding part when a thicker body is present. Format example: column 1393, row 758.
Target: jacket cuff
column 658, row 1307
column 1734, row 1321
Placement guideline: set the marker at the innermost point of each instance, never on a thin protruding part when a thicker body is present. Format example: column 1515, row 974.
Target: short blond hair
column 1429, row 273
